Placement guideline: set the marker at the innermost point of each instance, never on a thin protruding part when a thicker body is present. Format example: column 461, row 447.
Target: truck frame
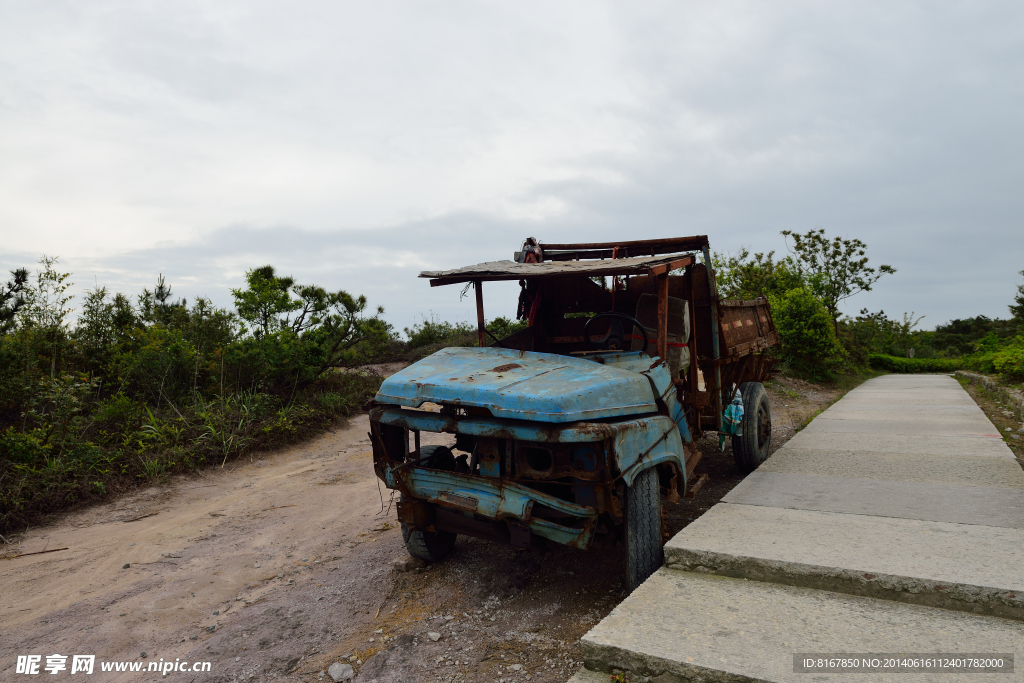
column 572, row 430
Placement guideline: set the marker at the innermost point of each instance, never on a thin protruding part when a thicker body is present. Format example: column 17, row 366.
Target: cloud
column 355, row 144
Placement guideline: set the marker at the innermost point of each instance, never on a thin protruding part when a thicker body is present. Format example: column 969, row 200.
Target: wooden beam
column 663, row 316
column 681, row 262
column 680, row 243
column 480, row 325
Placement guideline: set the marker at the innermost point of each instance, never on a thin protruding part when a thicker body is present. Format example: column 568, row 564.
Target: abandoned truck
column 573, row 429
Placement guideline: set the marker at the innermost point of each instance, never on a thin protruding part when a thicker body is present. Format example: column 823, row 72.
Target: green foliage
column 503, row 327
column 135, row 392
column 999, row 356
column 836, row 268
column 875, row 333
column 12, row 298
column 960, row 337
column 741, row 276
column 328, row 330
column 809, row 344
column 266, row 302
column 433, row 331
column 1009, row 360
column 1017, row 308
column 901, row 364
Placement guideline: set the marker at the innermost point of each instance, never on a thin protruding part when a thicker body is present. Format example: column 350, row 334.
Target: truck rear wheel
column 431, row 546
column 751, row 448
column 644, row 552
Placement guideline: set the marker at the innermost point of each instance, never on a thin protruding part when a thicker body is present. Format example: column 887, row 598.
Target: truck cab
column 573, row 430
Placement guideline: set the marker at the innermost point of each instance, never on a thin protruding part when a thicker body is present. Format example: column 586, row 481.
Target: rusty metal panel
column 500, row 501
column 746, row 327
column 511, row 270
column 739, row 325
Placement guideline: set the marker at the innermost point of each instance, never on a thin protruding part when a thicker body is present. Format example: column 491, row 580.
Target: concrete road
column 894, row 523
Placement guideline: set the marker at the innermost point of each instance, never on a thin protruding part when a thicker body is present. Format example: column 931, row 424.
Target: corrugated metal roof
column 510, row 270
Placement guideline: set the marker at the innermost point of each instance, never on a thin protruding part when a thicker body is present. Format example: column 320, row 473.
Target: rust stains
column 506, row 367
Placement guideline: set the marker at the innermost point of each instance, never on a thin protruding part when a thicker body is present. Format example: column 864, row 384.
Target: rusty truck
column 574, row 429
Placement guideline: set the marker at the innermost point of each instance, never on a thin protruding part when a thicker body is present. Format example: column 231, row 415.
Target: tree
column 327, row 330
column 836, row 268
column 1018, row 308
column 158, row 307
column 266, row 300
column 743, row 277
column 12, row 299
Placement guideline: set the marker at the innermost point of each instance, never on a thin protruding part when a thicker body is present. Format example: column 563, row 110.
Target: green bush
column 880, row 361
column 999, row 356
column 433, row 331
column 809, row 344
column 133, row 392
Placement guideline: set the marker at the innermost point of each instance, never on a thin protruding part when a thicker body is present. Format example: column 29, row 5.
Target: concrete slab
column 882, row 408
column 924, row 398
column 924, row 444
column 985, row 505
column 965, row 567
column 925, row 414
column 927, row 469
column 689, row 627
column 908, row 425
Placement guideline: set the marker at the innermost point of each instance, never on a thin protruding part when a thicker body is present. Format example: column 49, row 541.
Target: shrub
column 433, row 331
column 880, row 361
column 809, row 344
column 138, row 391
column 998, row 356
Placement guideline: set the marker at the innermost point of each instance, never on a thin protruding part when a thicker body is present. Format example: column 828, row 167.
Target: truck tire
column 644, row 552
column 431, row 546
column 751, row 448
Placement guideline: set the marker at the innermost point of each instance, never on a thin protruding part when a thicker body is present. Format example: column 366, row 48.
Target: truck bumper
column 481, row 497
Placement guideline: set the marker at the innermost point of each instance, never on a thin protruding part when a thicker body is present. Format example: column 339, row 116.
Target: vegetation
column 431, row 334
column 805, row 289
column 138, row 389
column 820, row 272
column 835, row 269
column 880, row 361
column 805, row 326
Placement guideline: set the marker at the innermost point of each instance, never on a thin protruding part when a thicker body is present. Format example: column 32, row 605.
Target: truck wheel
column 751, row 448
column 644, row 553
column 431, row 546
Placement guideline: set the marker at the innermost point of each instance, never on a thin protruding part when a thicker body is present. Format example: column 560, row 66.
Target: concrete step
column 971, row 568
column 926, row 469
column 680, row 626
column 970, row 427
column 924, row 444
column 983, row 505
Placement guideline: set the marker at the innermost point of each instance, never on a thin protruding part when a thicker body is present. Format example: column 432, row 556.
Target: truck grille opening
column 538, row 459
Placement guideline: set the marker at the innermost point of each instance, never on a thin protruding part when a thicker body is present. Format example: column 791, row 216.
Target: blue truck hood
column 521, row 385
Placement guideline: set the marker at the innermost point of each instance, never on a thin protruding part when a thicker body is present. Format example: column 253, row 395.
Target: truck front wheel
column 751, row 448
column 644, row 553
column 431, row 546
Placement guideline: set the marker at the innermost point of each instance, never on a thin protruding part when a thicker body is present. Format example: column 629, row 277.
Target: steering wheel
column 615, row 330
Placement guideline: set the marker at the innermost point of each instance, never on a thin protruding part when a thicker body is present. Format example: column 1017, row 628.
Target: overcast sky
column 354, row 144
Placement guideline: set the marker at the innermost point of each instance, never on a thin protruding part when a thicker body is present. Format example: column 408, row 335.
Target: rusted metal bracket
column 695, row 489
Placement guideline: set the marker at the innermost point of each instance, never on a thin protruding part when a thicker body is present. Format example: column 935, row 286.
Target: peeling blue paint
column 525, row 385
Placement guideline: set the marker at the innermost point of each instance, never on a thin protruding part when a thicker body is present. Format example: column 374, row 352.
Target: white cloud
column 388, row 137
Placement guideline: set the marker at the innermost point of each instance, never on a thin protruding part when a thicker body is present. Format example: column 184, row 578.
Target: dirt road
column 276, row 567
